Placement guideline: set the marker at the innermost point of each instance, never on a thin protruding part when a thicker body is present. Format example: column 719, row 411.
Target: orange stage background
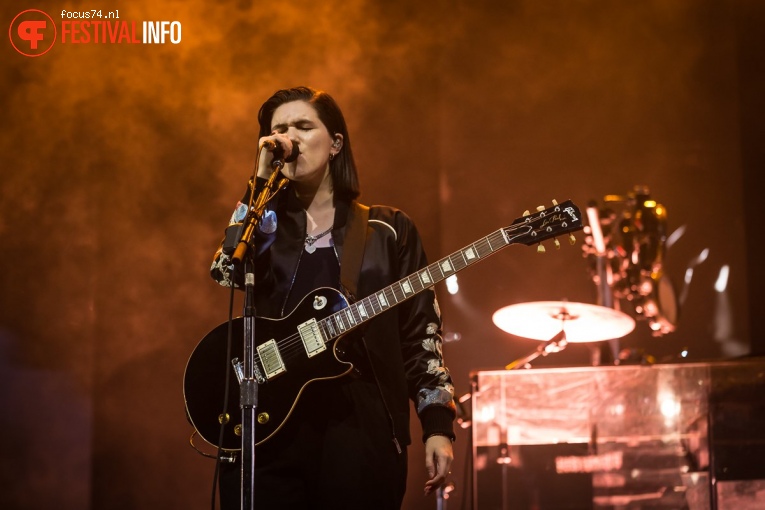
column 121, row 164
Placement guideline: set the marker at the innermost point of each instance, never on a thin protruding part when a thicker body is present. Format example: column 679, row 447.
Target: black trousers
column 336, row 451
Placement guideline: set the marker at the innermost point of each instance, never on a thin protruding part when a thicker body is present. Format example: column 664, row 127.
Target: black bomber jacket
column 403, row 343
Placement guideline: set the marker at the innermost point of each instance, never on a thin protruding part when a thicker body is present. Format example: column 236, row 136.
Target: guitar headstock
column 547, row 223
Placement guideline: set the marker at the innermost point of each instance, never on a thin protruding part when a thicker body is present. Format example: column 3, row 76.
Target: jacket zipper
column 391, row 422
column 294, row 272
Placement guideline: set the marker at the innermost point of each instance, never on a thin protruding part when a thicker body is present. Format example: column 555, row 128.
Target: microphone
column 278, row 151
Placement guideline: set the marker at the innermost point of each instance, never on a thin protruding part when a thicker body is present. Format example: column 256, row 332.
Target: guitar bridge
column 239, row 371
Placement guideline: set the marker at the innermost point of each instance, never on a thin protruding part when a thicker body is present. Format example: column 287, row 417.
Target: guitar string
column 293, row 342
column 288, row 346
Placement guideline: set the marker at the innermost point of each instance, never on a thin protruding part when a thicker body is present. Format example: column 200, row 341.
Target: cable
column 227, row 384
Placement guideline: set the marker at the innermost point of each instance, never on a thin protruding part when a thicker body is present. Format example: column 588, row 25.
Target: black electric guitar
column 303, row 347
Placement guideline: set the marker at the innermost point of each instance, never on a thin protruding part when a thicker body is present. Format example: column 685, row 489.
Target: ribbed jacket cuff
column 437, row 421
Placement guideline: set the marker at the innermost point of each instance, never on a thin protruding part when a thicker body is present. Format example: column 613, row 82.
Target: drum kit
column 625, row 249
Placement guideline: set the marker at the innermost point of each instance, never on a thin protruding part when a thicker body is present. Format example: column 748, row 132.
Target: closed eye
column 303, row 125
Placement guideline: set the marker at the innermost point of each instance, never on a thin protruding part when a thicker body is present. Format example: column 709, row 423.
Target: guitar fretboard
column 361, row 311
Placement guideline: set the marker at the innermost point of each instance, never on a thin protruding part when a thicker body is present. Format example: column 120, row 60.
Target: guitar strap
column 350, row 270
column 353, row 249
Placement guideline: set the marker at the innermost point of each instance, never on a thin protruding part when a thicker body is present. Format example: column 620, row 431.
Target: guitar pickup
column 270, row 358
column 313, row 341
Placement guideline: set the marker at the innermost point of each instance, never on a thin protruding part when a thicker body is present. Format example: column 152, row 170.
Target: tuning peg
column 540, row 208
column 555, row 202
column 571, row 239
column 557, row 243
column 526, row 213
column 540, row 248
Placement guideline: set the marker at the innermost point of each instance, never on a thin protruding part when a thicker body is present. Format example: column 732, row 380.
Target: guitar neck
column 361, row 311
column 529, row 229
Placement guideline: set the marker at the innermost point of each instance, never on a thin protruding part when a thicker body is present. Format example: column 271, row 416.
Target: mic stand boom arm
column 256, row 210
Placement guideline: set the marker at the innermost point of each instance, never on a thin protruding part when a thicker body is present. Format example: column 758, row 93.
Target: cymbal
column 582, row 322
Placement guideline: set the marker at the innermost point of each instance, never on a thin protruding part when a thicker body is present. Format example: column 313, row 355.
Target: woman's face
column 299, row 121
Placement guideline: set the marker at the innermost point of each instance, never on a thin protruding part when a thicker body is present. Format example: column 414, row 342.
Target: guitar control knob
column 263, row 418
column 238, row 430
column 223, row 418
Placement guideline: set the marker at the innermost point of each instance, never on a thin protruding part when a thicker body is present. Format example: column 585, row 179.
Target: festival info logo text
column 33, row 32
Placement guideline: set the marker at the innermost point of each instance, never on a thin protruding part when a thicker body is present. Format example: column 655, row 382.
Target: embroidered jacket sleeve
column 222, row 269
column 430, row 385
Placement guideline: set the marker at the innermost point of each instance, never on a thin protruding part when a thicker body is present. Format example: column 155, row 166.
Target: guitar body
column 204, row 378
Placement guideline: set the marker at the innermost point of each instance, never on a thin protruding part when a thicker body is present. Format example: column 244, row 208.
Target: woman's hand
column 438, row 459
column 267, row 154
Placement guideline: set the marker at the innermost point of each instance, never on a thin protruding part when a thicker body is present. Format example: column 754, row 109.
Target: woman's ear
column 337, row 144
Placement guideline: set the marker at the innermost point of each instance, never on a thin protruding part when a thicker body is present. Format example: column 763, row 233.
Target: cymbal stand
column 604, row 279
column 555, row 344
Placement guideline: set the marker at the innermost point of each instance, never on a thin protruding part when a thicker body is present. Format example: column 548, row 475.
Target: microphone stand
column 604, row 280
column 248, row 391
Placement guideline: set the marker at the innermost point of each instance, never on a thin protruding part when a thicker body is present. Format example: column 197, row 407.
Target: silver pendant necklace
column 310, row 240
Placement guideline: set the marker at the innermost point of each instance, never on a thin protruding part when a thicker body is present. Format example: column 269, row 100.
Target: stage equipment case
column 675, row 436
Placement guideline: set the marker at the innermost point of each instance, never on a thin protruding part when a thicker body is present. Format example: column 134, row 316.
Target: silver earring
column 331, row 156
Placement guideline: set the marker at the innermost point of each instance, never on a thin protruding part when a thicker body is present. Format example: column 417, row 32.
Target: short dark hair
column 342, row 168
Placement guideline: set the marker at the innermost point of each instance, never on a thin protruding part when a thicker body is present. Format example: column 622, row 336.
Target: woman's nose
column 294, row 136
column 295, row 143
